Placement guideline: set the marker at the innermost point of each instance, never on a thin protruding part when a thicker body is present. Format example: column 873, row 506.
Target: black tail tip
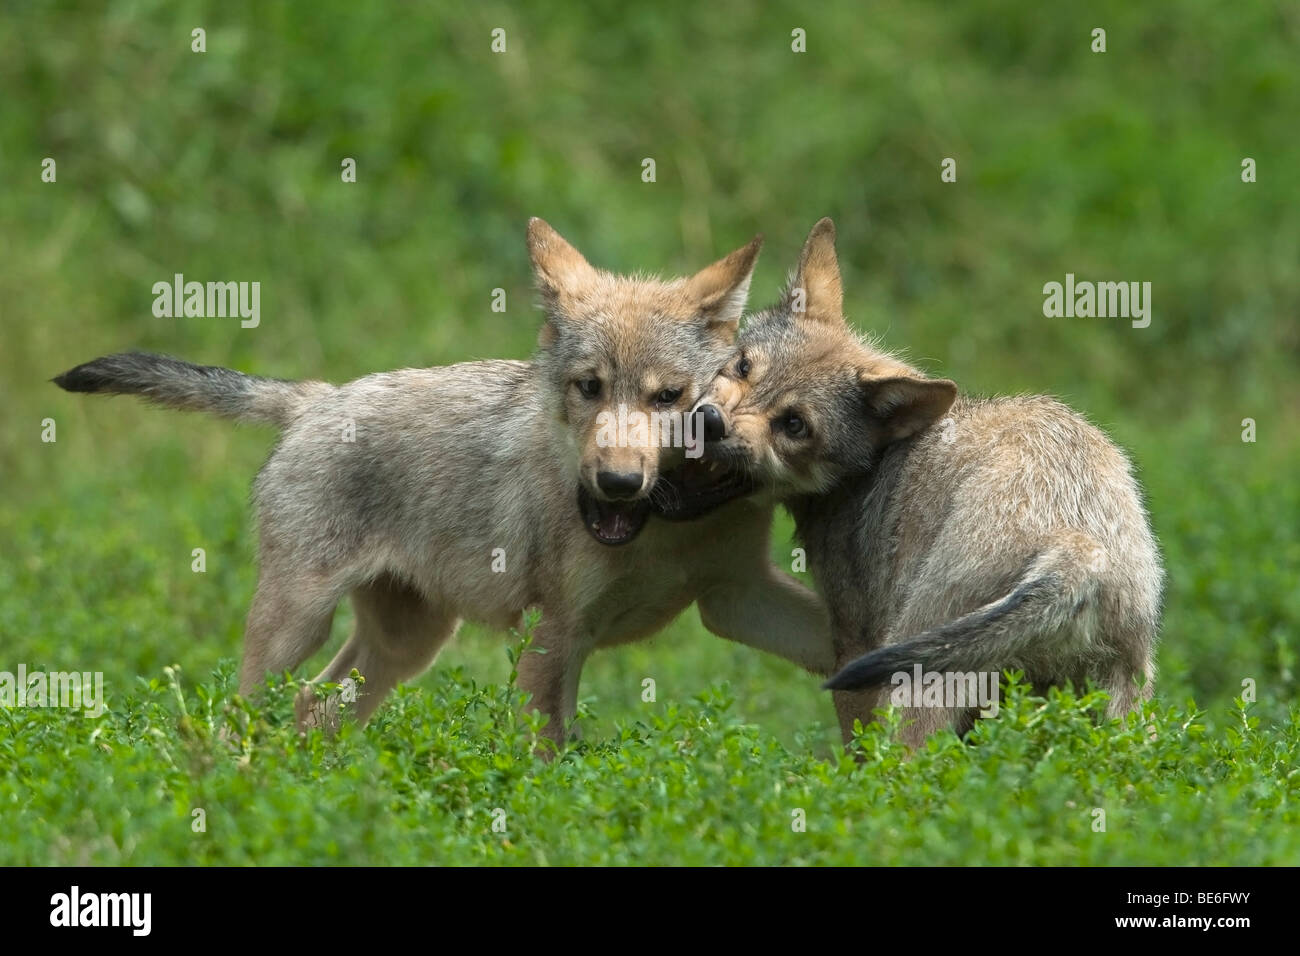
column 839, row 682
column 83, row 378
column 869, row 670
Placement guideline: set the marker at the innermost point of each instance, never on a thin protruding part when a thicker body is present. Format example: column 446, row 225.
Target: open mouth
column 612, row 522
column 689, row 491
column 698, row 486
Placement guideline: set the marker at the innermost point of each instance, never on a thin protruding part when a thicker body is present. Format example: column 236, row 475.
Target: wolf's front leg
column 774, row 613
column 548, row 672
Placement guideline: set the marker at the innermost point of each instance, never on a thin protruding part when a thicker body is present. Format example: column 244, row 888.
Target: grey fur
column 450, row 464
column 188, row 387
column 966, row 535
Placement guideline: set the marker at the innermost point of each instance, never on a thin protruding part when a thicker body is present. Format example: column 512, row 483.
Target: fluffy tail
column 195, row 388
column 1045, row 608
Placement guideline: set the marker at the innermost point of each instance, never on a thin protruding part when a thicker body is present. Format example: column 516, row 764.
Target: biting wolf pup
column 948, row 533
column 482, row 489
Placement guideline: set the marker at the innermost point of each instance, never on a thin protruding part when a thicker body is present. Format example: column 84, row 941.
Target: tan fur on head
column 722, row 289
column 805, row 360
column 906, row 404
column 558, row 266
column 568, row 283
column 819, row 276
column 638, row 337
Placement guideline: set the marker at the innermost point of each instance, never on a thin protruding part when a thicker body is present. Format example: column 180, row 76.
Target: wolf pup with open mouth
column 960, row 535
column 481, row 489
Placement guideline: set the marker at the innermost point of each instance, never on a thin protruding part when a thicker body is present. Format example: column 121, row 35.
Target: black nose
column 618, row 486
column 714, row 427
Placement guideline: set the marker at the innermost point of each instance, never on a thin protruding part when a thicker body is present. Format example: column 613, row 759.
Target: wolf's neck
column 854, row 509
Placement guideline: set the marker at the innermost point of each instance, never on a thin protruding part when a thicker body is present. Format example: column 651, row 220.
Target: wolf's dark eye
column 792, row 424
column 743, row 367
column 589, row 387
column 668, row 396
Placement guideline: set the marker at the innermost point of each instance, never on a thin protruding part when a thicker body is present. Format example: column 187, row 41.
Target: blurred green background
column 225, row 165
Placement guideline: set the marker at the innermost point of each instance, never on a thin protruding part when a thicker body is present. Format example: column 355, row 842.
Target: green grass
column 225, row 165
column 447, row 775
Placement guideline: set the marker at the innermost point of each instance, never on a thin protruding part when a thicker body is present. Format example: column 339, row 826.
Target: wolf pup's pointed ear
column 901, row 405
column 560, row 269
column 817, row 293
column 720, row 291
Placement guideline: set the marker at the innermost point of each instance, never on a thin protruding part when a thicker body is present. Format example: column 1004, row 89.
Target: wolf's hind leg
column 397, row 635
column 918, row 723
column 1126, row 694
column 857, row 705
column 288, row 622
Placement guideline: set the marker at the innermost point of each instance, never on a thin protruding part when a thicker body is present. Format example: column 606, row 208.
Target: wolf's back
column 196, row 388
